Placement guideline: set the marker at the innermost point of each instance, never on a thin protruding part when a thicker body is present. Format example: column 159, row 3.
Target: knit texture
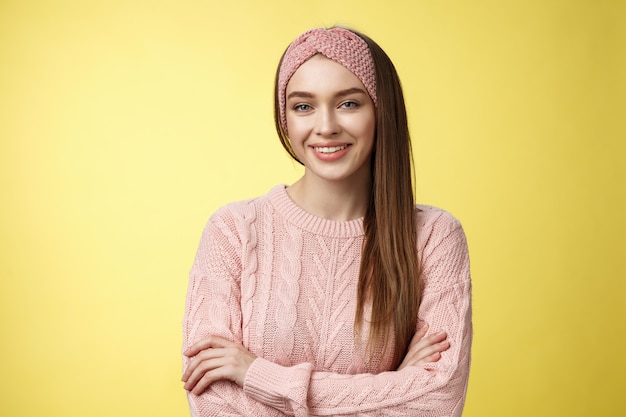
column 283, row 283
column 338, row 44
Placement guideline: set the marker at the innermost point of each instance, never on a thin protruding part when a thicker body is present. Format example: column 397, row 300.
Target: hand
column 425, row 349
column 215, row 358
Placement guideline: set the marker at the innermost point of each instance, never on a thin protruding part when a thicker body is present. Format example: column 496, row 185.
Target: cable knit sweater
column 283, row 283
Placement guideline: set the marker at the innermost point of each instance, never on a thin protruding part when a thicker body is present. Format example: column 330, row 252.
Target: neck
column 332, row 200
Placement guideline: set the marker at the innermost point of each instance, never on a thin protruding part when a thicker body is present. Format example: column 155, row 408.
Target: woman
column 336, row 295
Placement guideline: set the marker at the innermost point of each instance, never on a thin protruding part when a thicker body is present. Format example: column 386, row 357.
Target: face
column 331, row 121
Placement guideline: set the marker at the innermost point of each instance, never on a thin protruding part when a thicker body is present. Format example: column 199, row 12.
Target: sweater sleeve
column 431, row 390
column 213, row 308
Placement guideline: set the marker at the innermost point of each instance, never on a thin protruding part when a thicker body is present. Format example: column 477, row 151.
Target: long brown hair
column 389, row 274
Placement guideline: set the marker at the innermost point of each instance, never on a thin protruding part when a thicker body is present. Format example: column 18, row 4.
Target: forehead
column 322, row 73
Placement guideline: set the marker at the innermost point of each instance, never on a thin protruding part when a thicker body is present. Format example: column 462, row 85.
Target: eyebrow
column 342, row 93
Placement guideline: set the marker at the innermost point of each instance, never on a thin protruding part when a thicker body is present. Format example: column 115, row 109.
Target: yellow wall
column 125, row 124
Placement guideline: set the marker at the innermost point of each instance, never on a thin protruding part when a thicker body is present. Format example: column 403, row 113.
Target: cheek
column 367, row 129
column 296, row 129
column 371, row 130
column 295, row 133
column 370, row 133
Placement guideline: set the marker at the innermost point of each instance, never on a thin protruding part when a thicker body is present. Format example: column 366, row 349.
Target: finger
column 432, row 358
column 204, row 374
column 206, row 343
column 424, row 351
column 208, row 378
column 200, row 374
column 202, row 356
column 223, row 364
column 200, row 382
column 423, row 354
column 430, row 340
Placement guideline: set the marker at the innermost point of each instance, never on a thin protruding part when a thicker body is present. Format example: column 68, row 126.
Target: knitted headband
column 338, row 44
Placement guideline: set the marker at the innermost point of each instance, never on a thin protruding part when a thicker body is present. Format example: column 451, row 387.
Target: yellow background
column 125, row 124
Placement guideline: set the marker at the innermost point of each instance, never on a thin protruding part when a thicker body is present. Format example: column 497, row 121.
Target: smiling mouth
column 329, row 149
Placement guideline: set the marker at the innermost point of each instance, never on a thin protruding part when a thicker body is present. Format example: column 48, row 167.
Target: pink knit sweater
column 283, row 283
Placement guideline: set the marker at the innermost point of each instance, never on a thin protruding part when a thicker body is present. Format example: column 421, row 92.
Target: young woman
column 336, row 295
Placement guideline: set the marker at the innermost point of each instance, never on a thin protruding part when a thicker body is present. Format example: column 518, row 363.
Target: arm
column 213, row 308
column 434, row 389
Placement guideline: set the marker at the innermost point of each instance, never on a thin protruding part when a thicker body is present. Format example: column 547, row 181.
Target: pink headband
column 338, row 44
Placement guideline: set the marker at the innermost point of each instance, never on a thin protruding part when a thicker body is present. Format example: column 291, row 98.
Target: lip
column 330, row 157
column 328, row 144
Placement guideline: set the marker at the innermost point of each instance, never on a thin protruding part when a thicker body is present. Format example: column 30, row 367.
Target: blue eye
column 302, row 107
column 349, row 105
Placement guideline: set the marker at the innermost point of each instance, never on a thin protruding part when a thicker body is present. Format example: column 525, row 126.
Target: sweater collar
column 309, row 222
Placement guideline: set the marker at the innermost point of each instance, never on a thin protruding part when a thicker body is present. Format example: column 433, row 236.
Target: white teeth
column 329, row 149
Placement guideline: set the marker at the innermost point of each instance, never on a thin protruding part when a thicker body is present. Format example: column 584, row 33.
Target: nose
column 327, row 124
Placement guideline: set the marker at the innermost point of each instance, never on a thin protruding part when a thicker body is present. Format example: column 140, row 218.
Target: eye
column 302, row 107
column 349, row 105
